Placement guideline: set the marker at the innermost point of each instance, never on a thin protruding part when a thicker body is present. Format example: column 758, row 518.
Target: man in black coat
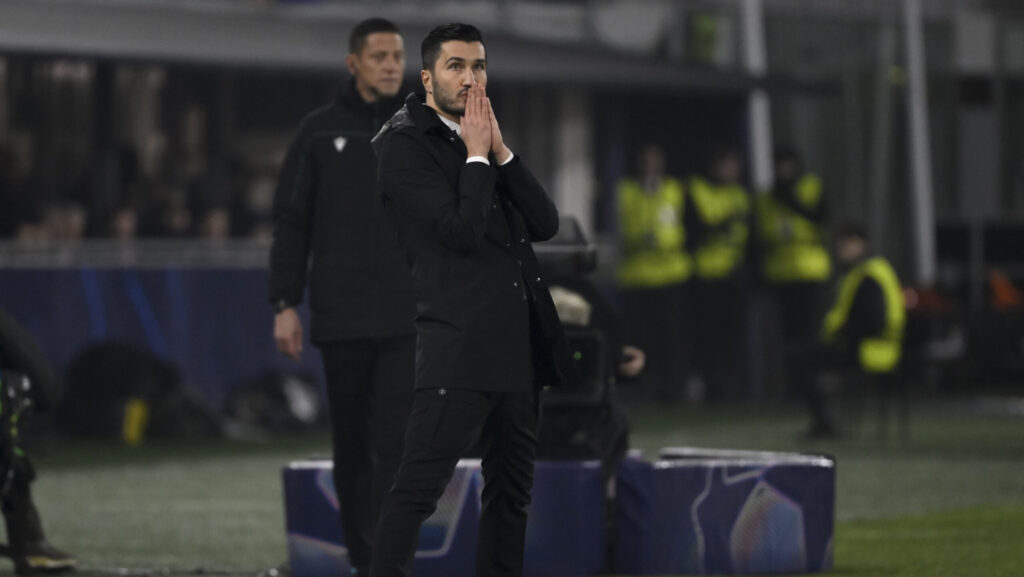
column 27, row 385
column 326, row 210
column 488, row 337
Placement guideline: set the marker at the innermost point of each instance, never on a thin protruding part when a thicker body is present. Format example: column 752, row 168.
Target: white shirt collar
column 457, row 128
column 452, row 125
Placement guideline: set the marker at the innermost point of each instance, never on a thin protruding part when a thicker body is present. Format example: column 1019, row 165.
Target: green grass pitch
column 948, row 502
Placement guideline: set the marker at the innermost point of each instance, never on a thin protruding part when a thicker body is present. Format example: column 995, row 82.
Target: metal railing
column 228, row 253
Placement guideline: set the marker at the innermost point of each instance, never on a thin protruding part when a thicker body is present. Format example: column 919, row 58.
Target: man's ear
column 425, row 79
column 351, row 64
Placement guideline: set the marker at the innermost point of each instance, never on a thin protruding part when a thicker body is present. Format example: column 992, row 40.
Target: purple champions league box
column 706, row 511
column 564, row 538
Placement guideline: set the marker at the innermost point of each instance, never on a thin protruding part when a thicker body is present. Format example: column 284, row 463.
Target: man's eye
column 480, row 67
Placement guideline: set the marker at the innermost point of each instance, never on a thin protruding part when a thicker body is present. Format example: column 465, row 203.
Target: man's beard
column 447, row 103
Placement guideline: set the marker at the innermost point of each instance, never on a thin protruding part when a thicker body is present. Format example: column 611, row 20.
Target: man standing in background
column 326, row 210
column 27, row 385
column 718, row 225
column 654, row 271
column 795, row 265
column 863, row 329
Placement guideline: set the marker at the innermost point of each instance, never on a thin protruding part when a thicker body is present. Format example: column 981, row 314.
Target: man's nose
column 469, row 77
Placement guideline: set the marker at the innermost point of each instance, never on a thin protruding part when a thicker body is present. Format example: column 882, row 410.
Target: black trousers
column 369, row 390
column 813, row 357
column 20, row 515
column 800, row 307
column 722, row 345
column 443, row 425
column 661, row 322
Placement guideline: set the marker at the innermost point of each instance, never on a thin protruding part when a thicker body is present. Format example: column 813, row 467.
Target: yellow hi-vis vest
column 794, row 246
column 723, row 209
column 652, row 233
column 879, row 354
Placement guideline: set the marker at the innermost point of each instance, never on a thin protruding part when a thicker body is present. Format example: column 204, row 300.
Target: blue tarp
column 216, row 325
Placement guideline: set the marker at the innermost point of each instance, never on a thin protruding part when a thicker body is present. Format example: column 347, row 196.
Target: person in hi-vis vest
column 654, row 271
column 863, row 329
column 718, row 219
column 794, row 263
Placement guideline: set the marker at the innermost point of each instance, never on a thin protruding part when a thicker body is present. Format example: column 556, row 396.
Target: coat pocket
column 450, row 420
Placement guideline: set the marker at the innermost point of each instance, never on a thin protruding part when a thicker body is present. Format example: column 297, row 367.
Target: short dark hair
column 786, row 153
column 357, row 39
column 851, row 231
column 431, row 47
column 721, row 150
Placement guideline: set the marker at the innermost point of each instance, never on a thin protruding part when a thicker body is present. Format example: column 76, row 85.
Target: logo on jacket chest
column 339, row 143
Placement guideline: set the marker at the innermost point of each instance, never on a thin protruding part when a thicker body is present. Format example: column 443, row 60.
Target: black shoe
column 41, row 557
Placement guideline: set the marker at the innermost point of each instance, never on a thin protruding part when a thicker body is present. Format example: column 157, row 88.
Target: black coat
column 484, row 316
column 326, row 207
column 867, row 318
column 19, row 352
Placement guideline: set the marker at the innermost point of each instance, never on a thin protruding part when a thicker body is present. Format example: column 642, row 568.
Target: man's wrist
column 504, row 156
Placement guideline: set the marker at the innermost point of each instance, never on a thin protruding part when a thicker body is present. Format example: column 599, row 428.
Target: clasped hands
column 480, row 130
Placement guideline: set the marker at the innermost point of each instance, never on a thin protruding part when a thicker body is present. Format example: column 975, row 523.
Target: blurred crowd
column 695, row 249
column 187, row 205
